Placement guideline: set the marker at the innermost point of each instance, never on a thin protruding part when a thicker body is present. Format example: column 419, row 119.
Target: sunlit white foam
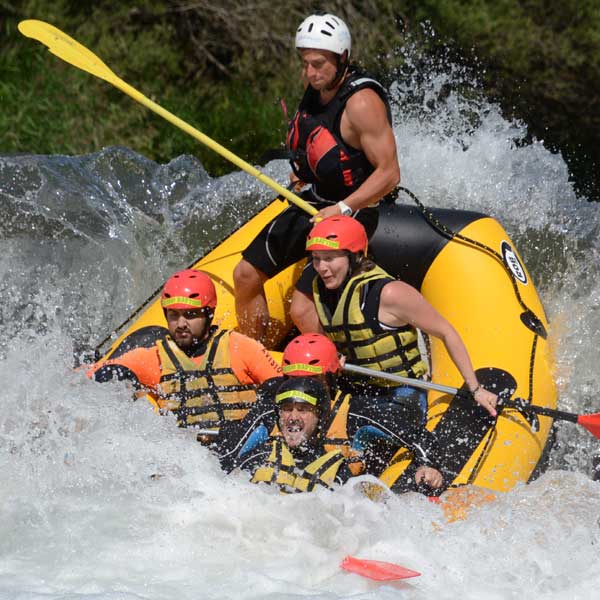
column 103, row 498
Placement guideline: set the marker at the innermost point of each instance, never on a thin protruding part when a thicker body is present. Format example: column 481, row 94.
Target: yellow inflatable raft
column 465, row 264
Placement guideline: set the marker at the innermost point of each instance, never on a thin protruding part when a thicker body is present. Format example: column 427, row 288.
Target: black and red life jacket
column 319, row 155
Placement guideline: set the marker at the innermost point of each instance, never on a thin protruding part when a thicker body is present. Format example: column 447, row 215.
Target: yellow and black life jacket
column 206, row 394
column 395, row 351
column 280, row 469
column 336, row 432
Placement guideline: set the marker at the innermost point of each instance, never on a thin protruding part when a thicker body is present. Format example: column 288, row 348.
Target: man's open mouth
column 295, row 428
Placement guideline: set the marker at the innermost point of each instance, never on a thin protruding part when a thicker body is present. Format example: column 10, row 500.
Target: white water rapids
column 101, row 499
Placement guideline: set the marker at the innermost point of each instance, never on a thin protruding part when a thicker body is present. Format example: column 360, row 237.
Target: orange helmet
column 310, row 354
column 338, row 233
column 189, row 289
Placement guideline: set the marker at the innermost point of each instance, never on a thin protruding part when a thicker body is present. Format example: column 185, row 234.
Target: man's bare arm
column 365, row 126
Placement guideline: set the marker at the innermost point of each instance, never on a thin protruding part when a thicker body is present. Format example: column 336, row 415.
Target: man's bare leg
column 304, row 314
column 250, row 300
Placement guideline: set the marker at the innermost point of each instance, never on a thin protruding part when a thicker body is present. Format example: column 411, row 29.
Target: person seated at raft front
column 204, row 375
column 372, row 318
column 342, row 143
column 372, row 429
column 301, row 458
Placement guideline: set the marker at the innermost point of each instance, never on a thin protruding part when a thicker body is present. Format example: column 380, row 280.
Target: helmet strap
column 324, row 418
column 355, row 260
column 198, row 346
column 349, row 273
column 332, row 383
column 342, row 67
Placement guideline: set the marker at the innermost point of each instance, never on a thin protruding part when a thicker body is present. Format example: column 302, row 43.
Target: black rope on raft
column 452, row 235
column 447, row 232
column 491, row 438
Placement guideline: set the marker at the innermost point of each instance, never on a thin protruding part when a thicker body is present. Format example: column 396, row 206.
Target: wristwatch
column 344, row 208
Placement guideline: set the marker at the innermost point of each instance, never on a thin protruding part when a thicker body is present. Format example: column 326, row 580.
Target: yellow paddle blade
column 72, row 52
column 66, row 48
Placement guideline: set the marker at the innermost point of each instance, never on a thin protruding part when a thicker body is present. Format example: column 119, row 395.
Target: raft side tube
column 479, row 283
column 219, row 263
column 475, row 289
column 406, row 243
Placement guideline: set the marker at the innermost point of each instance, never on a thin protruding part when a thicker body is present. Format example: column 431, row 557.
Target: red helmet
column 338, row 233
column 189, row 289
column 310, row 354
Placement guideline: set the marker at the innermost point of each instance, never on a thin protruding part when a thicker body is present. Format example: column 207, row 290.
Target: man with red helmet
column 299, row 458
column 204, row 375
column 341, row 143
column 373, row 319
column 356, row 426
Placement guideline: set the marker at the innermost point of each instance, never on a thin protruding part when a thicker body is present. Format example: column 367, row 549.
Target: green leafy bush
column 222, row 67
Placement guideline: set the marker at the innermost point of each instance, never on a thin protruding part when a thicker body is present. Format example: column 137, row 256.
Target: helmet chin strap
column 354, row 261
column 342, row 67
column 322, row 427
column 209, row 313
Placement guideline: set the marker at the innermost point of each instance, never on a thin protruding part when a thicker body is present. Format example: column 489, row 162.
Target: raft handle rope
column 535, row 324
column 447, row 232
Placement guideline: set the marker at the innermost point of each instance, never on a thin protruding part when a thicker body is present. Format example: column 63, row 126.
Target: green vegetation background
column 224, row 66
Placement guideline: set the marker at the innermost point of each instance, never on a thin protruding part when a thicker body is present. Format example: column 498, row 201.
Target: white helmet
column 324, row 32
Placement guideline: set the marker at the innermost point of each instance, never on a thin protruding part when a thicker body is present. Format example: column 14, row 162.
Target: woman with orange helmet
column 372, row 318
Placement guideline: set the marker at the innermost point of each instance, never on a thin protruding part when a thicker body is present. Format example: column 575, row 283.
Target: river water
column 102, row 499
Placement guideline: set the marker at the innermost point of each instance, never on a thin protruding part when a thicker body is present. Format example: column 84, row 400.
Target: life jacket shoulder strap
column 331, row 113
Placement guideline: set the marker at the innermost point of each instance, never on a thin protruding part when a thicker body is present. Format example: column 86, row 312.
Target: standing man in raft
column 341, row 143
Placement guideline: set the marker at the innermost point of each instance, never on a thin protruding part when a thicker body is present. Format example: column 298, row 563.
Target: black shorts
column 282, row 242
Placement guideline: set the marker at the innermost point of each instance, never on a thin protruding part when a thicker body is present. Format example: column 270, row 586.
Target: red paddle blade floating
column 591, row 423
column 376, row 569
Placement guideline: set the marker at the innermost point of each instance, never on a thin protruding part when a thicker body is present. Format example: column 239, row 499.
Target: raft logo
column 513, row 263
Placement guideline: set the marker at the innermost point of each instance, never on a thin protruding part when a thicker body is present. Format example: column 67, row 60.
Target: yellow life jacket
column 394, row 351
column 206, row 394
column 281, row 469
